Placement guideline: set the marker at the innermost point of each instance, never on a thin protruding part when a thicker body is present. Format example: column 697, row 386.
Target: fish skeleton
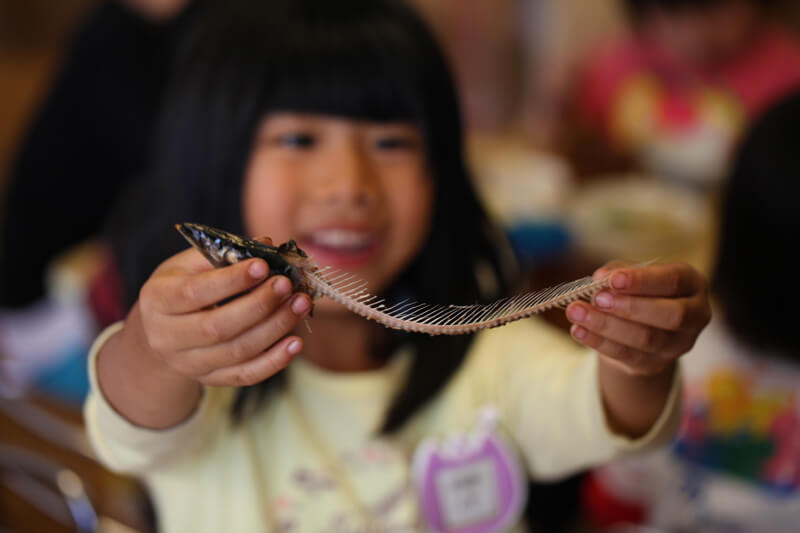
column 221, row 248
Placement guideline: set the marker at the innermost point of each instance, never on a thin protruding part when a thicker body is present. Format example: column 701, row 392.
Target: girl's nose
column 347, row 177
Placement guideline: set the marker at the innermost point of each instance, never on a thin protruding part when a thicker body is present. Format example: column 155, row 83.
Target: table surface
column 54, row 431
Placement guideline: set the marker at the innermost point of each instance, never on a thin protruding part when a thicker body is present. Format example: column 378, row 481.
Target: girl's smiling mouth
column 340, row 246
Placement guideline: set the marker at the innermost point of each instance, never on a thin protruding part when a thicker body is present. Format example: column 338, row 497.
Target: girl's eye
column 396, row 142
column 296, row 140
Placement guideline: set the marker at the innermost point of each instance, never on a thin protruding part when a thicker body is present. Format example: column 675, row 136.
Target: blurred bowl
column 636, row 218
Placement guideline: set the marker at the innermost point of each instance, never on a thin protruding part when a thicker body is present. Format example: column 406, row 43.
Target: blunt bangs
column 330, row 82
column 350, row 67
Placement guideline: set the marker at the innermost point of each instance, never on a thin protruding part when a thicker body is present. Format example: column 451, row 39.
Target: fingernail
column 604, row 299
column 300, row 304
column 577, row 313
column 578, row 332
column 620, row 281
column 281, row 286
column 294, row 347
column 257, row 269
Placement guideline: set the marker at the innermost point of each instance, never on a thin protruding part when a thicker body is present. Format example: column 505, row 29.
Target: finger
column 608, row 267
column 673, row 280
column 202, row 360
column 624, row 332
column 671, row 314
column 258, row 368
column 628, row 359
column 181, row 293
column 265, row 240
column 219, row 324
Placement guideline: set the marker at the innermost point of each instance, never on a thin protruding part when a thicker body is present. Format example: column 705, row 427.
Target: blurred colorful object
column 737, row 424
column 680, row 116
column 680, row 135
column 526, row 192
column 44, row 345
column 735, row 462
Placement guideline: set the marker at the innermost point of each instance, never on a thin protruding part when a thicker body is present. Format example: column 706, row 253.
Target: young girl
column 336, row 124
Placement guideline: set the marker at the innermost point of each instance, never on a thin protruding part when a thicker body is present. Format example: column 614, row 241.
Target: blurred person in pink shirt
column 678, row 90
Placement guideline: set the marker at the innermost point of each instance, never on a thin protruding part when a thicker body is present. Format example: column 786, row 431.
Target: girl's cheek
column 414, row 211
column 267, row 200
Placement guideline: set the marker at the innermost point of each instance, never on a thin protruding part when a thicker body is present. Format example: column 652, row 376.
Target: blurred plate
column 519, row 184
column 636, row 218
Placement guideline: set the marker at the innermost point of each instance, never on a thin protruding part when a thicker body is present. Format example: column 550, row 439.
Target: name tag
column 470, row 483
column 467, row 494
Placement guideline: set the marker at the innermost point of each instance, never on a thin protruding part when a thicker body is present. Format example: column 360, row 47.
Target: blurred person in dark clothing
column 89, row 139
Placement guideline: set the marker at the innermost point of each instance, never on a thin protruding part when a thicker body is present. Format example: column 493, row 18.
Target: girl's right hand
column 240, row 343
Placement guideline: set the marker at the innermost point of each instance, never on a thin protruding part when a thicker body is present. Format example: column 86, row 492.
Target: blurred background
column 597, row 130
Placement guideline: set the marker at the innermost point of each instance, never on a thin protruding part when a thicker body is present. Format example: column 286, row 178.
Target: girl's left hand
column 649, row 317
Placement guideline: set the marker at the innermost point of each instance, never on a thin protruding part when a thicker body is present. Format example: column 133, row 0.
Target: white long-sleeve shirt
column 202, row 476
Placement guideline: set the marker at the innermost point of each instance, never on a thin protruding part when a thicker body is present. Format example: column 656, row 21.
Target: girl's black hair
column 363, row 59
column 637, row 8
column 757, row 255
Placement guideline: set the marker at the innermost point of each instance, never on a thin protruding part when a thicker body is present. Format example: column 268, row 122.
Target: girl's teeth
column 341, row 239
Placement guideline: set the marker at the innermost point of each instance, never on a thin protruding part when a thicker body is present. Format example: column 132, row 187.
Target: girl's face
column 355, row 195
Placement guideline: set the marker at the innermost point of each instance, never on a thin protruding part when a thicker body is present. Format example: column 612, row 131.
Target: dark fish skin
column 222, row 248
